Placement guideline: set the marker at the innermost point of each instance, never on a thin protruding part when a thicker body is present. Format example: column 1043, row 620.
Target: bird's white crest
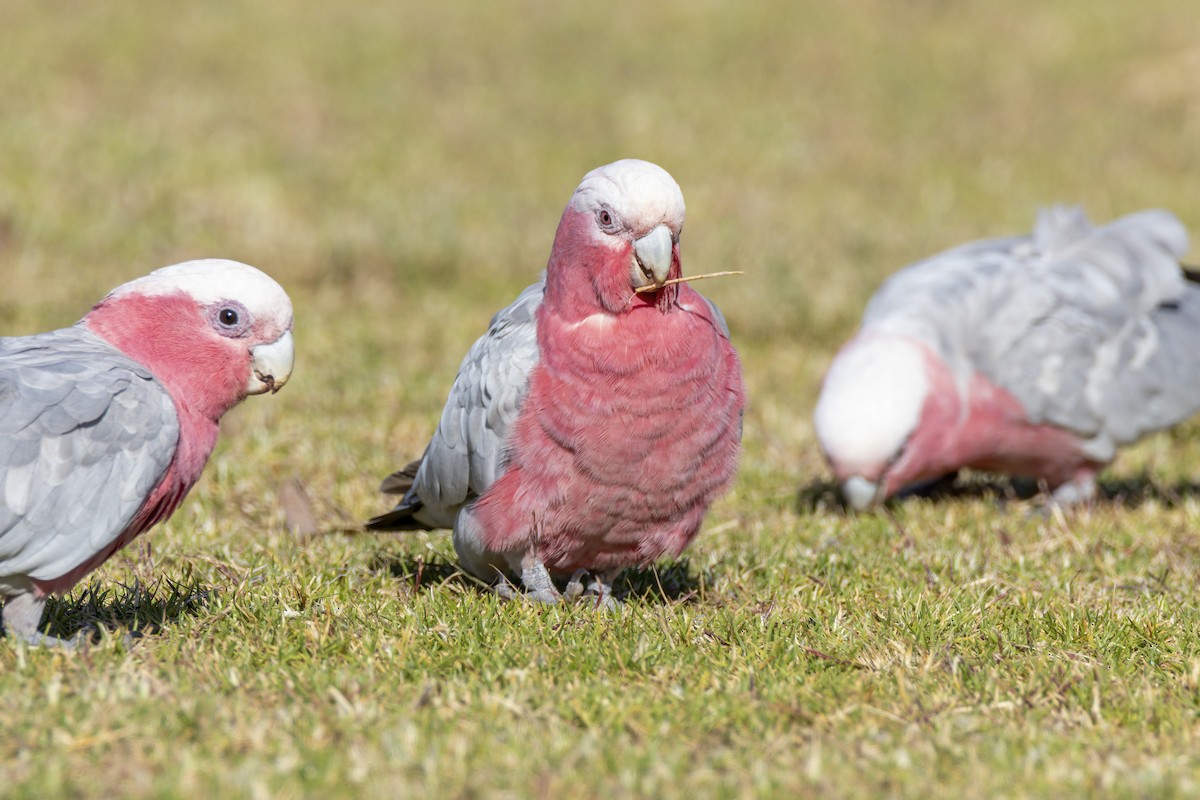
column 211, row 280
column 871, row 402
column 641, row 194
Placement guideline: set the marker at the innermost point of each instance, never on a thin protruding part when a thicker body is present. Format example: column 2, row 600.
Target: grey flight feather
column 467, row 451
column 85, row 436
column 1093, row 329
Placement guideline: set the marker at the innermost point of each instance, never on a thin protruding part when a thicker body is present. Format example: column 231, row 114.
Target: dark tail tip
column 398, row 519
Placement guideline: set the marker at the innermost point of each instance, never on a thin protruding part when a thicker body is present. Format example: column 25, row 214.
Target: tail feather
column 401, row 481
column 398, row 519
column 401, row 517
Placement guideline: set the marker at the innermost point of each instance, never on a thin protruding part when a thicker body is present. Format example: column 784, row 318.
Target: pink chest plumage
column 985, row 429
column 630, row 429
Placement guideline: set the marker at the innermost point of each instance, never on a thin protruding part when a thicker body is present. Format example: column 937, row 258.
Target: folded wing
column 467, row 452
column 85, row 436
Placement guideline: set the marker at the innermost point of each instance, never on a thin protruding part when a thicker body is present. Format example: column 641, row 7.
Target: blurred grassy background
column 400, row 168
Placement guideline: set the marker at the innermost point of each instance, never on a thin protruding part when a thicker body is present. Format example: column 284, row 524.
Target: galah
column 592, row 426
column 106, row 425
column 1035, row 356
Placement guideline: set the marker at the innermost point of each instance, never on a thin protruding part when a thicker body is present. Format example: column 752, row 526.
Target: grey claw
column 574, row 588
column 538, row 584
column 600, row 588
column 550, row 598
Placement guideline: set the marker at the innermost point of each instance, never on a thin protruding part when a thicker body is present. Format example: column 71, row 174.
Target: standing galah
column 592, row 426
column 1035, row 355
column 105, row 426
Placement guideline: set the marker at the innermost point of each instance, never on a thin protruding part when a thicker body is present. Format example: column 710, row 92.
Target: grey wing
column 85, row 435
column 1075, row 363
column 1150, row 378
column 723, row 328
column 715, row 313
column 1056, row 318
column 467, row 452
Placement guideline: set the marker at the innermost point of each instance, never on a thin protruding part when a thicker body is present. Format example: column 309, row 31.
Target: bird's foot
column 22, row 614
column 77, row 642
column 598, row 589
column 539, row 586
column 574, row 589
column 1073, row 494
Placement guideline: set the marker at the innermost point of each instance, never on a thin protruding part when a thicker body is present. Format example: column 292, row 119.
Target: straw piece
column 653, row 288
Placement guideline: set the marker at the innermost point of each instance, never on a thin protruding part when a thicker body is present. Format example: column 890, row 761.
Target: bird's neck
column 585, row 276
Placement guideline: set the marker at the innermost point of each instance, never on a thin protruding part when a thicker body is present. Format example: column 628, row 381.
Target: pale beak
column 652, row 257
column 860, row 493
column 271, row 365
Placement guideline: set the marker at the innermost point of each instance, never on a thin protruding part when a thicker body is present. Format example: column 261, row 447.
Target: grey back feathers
column 85, row 435
column 1092, row 329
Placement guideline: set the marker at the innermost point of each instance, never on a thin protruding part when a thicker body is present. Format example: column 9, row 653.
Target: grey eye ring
column 606, row 219
column 229, row 318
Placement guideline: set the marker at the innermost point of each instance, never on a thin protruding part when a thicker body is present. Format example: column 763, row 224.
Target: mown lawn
column 400, row 167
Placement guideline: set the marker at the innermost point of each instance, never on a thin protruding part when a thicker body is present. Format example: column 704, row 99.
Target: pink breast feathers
column 630, row 430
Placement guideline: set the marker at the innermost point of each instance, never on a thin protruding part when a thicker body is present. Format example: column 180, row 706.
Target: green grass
column 400, row 168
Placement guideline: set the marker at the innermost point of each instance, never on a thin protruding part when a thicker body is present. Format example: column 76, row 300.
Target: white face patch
column 870, row 403
column 641, row 195
column 212, row 280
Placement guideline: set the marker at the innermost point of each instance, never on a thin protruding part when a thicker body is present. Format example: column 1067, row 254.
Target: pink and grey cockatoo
column 1035, row 355
column 105, row 426
column 592, row 426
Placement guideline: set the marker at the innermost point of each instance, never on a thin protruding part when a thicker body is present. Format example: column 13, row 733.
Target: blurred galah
column 1035, row 356
column 105, row 426
column 592, row 426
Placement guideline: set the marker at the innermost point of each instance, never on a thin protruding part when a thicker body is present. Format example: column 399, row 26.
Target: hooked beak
column 652, row 258
column 271, row 365
column 860, row 493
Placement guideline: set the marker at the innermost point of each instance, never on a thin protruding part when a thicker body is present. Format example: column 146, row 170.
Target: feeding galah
column 592, row 426
column 1035, row 356
column 105, row 426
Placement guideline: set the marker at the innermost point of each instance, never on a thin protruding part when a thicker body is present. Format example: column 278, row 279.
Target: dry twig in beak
column 653, row 288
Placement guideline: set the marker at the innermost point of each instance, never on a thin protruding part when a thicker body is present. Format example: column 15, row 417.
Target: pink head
column 212, row 331
column 620, row 232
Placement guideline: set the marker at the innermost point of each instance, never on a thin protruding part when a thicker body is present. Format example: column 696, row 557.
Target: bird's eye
column 607, row 220
column 229, row 318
